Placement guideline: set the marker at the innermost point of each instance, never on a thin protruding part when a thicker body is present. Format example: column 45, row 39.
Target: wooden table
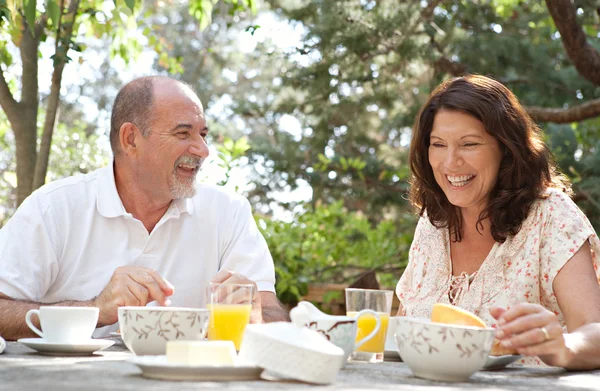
column 23, row 369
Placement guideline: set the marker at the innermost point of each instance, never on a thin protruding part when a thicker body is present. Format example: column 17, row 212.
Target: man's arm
column 129, row 285
column 272, row 310
column 12, row 316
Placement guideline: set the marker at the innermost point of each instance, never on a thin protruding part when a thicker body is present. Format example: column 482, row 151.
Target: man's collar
column 184, row 205
column 109, row 202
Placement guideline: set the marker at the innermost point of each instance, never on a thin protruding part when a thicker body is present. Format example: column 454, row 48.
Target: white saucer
column 157, row 367
column 66, row 349
column 499, row 362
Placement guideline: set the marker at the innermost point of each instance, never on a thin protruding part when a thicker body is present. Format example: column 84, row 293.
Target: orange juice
column 365, row 325
column 228, row 322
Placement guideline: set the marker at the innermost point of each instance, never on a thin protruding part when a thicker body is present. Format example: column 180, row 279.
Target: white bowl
column 290, row 351
column 146, row 330
column 439, row 351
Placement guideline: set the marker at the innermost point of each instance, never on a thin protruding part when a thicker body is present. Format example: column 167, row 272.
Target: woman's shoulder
column 427, row 235
column 548, row 201
column 424, row 225
column 553, row 202
column 553, row 212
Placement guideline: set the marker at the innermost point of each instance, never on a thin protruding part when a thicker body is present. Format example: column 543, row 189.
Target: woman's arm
column 535, row 331
column 578, row 295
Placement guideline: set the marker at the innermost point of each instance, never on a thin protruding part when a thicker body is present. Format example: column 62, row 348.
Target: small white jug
column 339, row 330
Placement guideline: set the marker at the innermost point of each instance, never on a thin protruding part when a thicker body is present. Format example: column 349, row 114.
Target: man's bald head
column 134, row 104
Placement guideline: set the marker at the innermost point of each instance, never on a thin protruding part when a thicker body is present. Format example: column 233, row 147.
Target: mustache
column 190, row 161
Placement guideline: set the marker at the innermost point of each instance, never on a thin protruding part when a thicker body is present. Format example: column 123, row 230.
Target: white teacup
column 64, row 324
column 339, row 330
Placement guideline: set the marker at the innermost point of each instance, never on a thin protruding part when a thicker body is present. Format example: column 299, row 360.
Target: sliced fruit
column 447, row 313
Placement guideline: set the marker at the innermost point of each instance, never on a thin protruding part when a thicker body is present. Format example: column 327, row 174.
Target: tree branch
column 451, row 67
column 587, row 110
column 584, row 56
column 7, row 101
column 62, row 45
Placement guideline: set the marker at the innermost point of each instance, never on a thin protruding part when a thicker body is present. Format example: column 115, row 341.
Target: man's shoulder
column 74, row 189
column 77, row 180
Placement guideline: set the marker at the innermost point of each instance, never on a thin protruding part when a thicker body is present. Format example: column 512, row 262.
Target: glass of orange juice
column 230, row 306
column 379, row 301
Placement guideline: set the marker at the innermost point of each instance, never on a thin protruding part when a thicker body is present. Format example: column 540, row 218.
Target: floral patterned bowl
column 146, row 330
column 439, row 351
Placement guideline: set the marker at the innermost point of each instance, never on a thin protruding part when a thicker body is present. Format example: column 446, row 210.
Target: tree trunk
column 583, row 55
column 63, row 42
column 25, row 140
column 25, row 128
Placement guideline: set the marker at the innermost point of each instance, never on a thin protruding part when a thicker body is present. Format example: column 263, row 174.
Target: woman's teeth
column 459, row 181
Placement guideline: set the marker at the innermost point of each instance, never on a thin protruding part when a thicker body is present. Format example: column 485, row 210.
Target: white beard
column 183, row 188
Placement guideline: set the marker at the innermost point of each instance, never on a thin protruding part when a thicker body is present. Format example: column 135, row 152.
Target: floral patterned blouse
column 522, row 269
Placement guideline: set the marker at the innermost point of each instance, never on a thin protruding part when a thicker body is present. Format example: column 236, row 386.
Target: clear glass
column 379, row 301
column 230, row 306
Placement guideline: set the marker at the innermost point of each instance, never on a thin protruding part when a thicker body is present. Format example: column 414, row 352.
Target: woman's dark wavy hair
column 527, row 166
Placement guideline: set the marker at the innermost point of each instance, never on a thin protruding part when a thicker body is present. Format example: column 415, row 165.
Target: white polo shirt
column 65, row 241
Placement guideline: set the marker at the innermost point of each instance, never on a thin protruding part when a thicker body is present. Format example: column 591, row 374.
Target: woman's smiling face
column 465, row 159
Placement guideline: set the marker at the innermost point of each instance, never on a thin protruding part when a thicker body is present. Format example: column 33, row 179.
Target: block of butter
column 201, row 353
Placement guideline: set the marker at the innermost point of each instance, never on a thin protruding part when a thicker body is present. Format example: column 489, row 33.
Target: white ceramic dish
column 66, row 349
column 442, row 352
column 499, row 362
column 292, row 352
column 157, row 367
column 146, row 330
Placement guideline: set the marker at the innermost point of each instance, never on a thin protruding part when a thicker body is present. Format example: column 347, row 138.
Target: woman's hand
column 532, row 330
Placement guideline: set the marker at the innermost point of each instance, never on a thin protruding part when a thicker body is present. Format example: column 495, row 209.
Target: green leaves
column 5, row 12
column 130, row 4
column 230, row 152
column 334, row 245
column 29, row 11
column 53, row 11
column 202, row 10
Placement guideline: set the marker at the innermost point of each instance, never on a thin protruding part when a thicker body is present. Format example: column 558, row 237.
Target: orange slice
column 446, row 313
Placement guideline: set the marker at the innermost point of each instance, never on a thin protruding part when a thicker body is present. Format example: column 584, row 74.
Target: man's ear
column 128, row 135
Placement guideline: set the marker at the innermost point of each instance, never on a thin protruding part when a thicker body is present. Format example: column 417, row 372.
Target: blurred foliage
column 75, row 149
column 331, row 244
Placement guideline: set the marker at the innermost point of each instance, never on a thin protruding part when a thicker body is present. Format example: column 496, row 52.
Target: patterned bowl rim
column 163, row 309
column 428, row 322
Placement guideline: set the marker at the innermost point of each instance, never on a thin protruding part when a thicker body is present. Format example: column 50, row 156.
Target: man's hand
column 134, row 286
column 230, row 277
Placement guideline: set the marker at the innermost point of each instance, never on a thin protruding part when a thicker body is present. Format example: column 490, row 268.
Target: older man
column 139, row 230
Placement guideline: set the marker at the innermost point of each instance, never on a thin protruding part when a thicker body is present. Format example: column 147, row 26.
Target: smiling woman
column 464, row 158
column 499, row 235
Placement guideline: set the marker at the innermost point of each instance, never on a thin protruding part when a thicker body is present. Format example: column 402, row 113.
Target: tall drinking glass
column 230, row 306
column 378, row 301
